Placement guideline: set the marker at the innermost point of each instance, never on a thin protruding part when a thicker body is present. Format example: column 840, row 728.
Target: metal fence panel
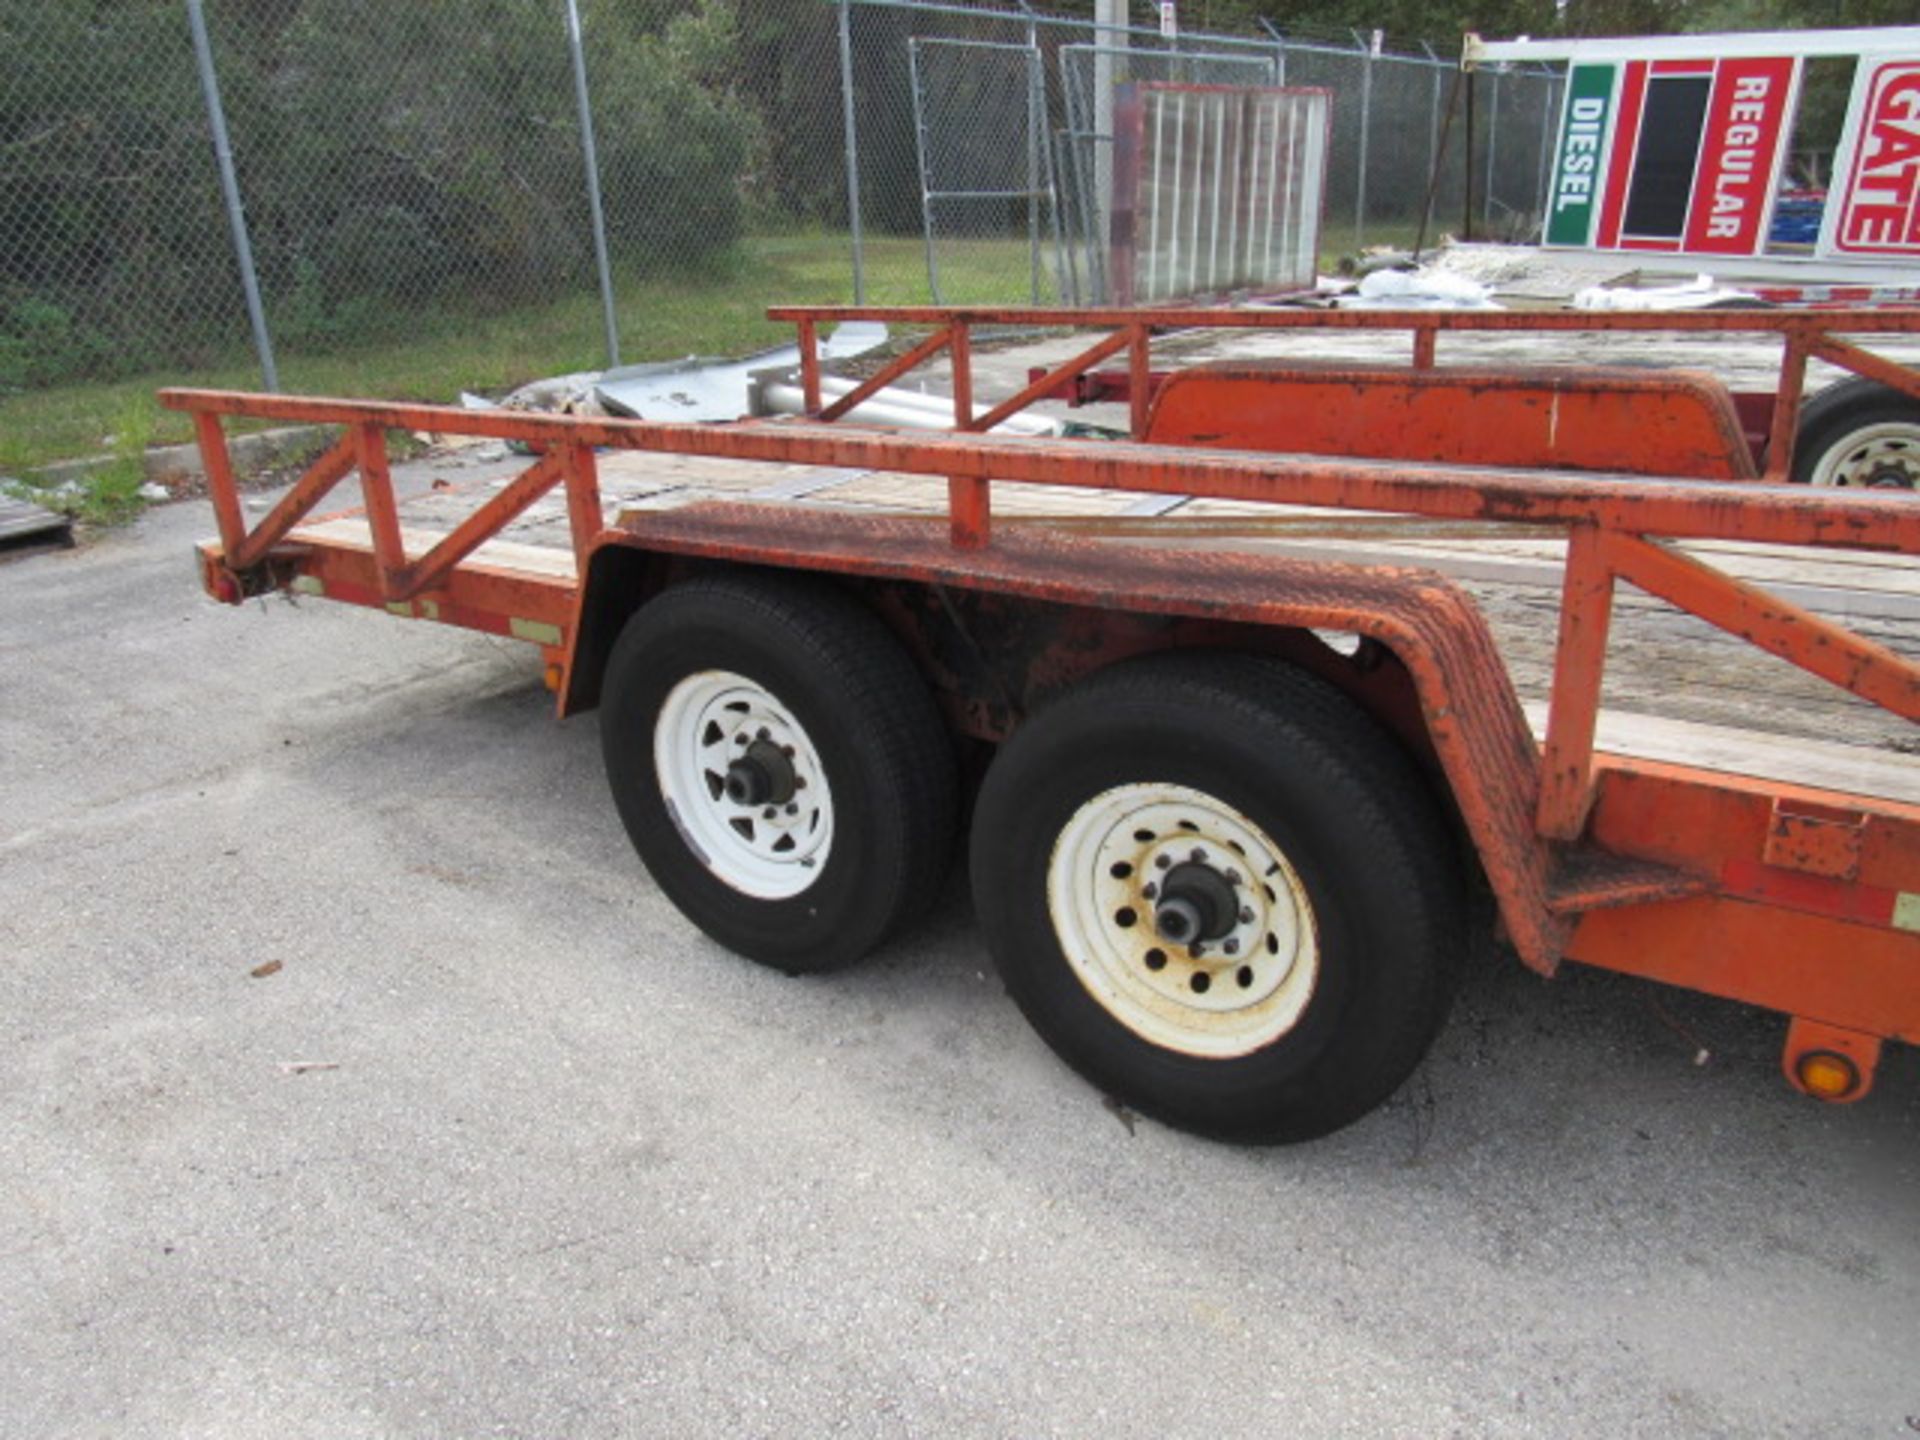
column 420, row 195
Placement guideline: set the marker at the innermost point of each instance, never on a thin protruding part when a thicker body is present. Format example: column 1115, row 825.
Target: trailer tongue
column 1218, row 853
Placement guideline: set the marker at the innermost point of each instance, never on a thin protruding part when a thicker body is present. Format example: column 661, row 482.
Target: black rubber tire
column 888, row 760
column 1842, row 409
column 1340, row 798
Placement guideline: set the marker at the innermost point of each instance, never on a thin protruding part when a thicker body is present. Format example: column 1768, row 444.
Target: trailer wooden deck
column 1677, row 690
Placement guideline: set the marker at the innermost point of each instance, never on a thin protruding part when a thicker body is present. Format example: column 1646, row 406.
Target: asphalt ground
column 503, row 1146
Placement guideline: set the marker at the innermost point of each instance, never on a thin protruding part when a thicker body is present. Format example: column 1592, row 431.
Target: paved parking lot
column 502, row 1146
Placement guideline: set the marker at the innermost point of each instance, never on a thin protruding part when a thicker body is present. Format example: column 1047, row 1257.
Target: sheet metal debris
column 22, row 520
column 704, row 388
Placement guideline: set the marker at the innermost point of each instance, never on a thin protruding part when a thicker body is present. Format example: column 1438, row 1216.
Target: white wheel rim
column 1235, row 991
column 1886, row 455
column 770, row 848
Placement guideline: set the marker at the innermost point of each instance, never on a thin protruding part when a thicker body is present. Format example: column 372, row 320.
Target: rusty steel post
column 383, row 517
column 584, row 514
column 220, row 486
column 968, row 500
column 1579, row 661
column 809, row 338
column 1139, row 380
column 1786, row 405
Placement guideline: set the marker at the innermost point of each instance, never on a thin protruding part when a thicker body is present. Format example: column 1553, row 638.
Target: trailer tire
column 1247, row 804
column 1859, row 433
column 780, row 766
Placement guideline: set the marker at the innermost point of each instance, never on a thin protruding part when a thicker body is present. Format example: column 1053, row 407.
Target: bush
column 392, row 159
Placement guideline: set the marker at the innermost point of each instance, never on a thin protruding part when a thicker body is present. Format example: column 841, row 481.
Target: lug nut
column 1199, row 856
column 793, row 809
column 1149, row 891
column 1162, row 862
column 768, row 813
column 1246, row 915
column 1233, row 877
column 1232, row 947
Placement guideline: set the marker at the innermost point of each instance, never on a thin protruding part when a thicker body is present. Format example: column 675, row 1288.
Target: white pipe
column 888, row 407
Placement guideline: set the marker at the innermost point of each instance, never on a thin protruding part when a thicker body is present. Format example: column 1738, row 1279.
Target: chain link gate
column 962, row 90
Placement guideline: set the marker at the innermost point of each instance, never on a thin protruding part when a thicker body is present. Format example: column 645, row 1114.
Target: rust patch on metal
column 1818, row 842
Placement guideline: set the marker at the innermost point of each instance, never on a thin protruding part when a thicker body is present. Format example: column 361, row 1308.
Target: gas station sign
column 1874, row 206
column 1677, row 145
column 1674, row 155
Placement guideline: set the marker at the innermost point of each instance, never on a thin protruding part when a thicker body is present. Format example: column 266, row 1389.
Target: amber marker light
column 1826, row 1075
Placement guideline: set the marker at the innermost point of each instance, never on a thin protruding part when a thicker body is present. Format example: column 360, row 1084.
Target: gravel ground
column 503, row 1147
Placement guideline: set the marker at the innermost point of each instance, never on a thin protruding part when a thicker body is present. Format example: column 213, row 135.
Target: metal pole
column 1493, row 152
column 230, row 188
column 1360, row 178
column 1433, row 140
column 1279, row 49
column 1466, row 204
column 853, row 152
column 592, row 157
column 1036, row 122
column 1433, row 178
column 926, row 172
column 1110, row 34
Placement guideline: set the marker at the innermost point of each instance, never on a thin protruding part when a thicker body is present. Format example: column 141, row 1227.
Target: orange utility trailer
column 1226, row 807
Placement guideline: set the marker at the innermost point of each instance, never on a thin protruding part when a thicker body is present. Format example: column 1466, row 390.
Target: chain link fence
column 421, row 198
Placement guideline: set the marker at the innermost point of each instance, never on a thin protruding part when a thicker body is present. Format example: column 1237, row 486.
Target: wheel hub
column 744, row 783
column 1183, row 918
column 1196, row 903
column 1889, row 477
column 762, row 776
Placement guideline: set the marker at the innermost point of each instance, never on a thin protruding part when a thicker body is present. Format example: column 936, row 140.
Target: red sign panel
column 1694, row 155
column 1745, row 119
column 1879, row 211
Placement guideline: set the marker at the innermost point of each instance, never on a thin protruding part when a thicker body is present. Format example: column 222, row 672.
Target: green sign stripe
column 1580, row 163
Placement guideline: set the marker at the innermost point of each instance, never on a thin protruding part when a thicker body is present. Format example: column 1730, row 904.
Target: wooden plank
column 351, row 532
column 1818, row 764
column 20, row 519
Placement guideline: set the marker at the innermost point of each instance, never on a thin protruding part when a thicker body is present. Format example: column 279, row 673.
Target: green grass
column 717, row 312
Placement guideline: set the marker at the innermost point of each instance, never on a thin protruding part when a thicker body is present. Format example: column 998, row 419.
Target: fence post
column 230, row 189
column 1433, row 127
column 592, row 156
column 1493, row 153
column 1366, row 125
column 1279, row 49
column 1036, row 124
column 852, row 144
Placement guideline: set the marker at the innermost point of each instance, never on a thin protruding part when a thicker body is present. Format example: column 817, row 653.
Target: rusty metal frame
column 1610, row 521
column 1803, row 334
column 1523, row 802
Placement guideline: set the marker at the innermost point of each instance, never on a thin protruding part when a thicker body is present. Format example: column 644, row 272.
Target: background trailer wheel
column 1859, row 433
column 1222, row 893
column 779, row 765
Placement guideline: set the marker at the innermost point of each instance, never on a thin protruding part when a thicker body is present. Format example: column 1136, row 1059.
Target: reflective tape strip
column 1906, row 911
column 401, row 608
column 308, row 585
column 538, row 631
